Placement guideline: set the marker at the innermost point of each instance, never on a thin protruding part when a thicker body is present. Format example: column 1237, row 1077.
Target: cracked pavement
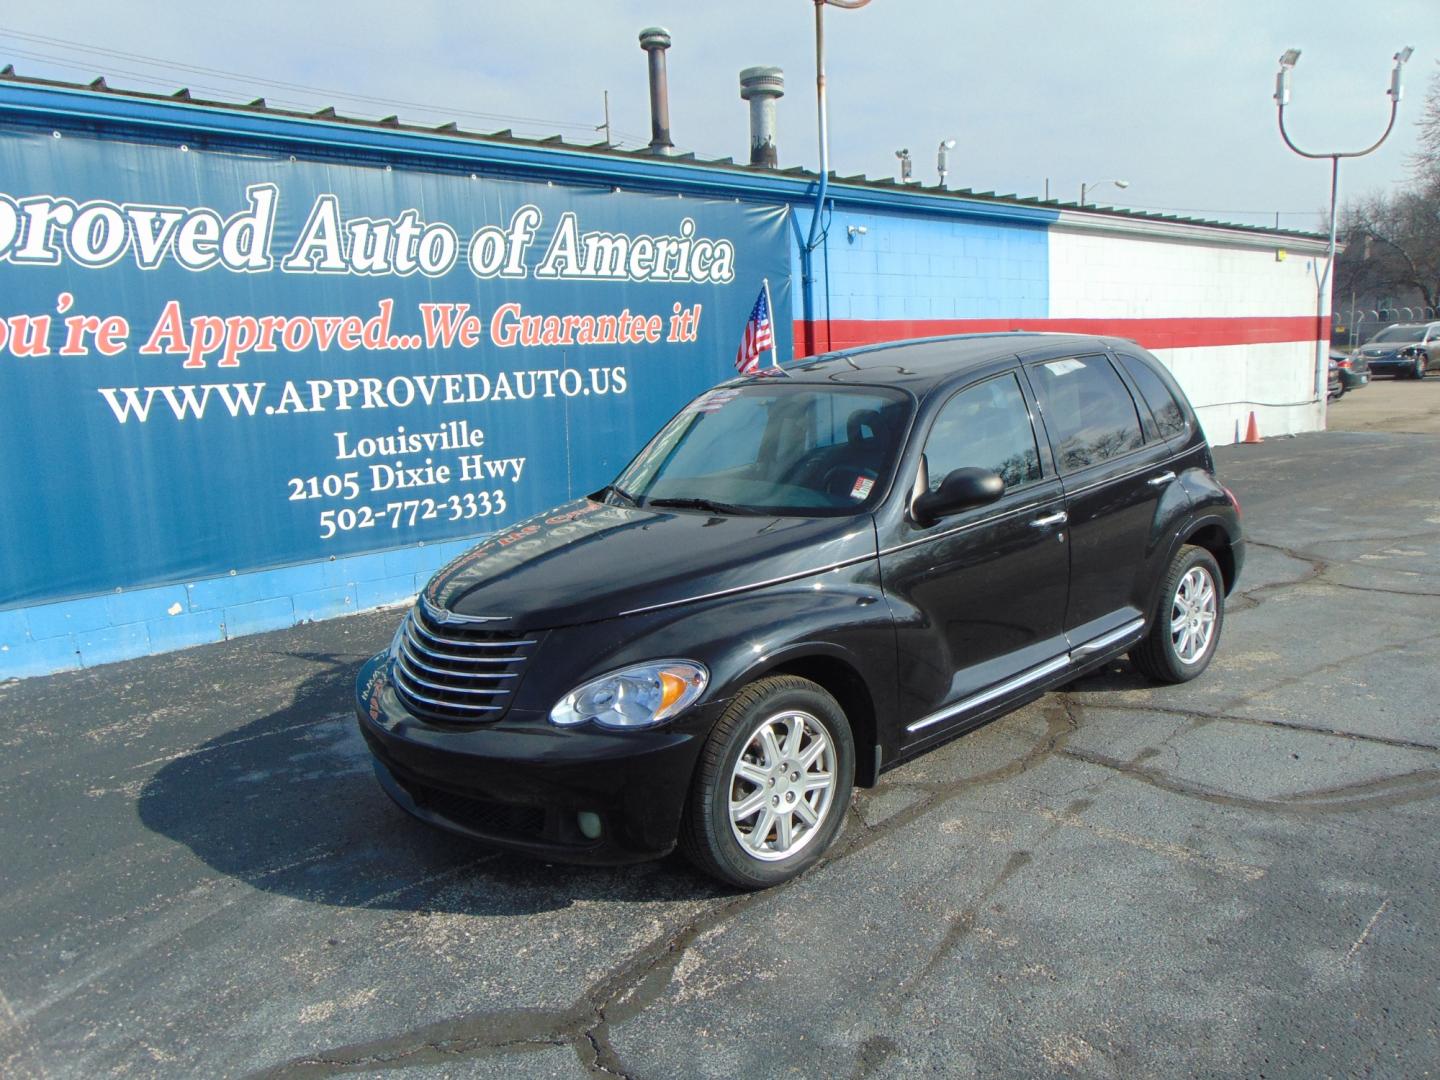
column 1232, row 877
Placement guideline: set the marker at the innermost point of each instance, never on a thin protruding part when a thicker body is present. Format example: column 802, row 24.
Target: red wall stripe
column 1179, row 333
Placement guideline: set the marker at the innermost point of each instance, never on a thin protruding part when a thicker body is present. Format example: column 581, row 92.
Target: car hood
column 586, row 561
column 1370, row 352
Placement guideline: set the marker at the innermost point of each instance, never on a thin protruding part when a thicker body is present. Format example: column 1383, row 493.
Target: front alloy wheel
column 772, row 785
column 782, row 786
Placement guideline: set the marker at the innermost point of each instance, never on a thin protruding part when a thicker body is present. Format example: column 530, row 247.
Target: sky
column 1174, row 97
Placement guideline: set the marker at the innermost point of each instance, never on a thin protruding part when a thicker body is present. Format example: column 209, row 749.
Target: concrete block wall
column 136, row 622
column 916, row 274
column 1243, row 319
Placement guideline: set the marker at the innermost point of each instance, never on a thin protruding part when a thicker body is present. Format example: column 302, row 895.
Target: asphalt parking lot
column 1234, row 877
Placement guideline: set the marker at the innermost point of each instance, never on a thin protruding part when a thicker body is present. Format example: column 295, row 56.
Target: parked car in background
column 1349, row 370
column 806, row 578
column 1334, row 385
column 1405, row 350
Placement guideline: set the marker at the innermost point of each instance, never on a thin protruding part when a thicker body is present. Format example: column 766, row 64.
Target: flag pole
column 770, row 307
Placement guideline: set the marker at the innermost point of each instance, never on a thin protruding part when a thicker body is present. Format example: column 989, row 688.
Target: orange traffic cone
column 1252, row 430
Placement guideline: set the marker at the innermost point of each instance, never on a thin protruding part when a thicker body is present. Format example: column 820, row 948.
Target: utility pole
column 605, row 127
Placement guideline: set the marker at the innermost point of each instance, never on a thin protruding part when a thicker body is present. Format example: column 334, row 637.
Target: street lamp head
column 1122, row 183
column 1282, row 79
column 1396, row 89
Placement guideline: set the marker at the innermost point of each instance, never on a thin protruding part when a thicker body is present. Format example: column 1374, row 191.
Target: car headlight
column 634, row 697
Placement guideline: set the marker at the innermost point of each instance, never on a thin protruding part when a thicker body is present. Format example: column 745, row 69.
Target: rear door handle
column 1163, row 478
column 1058, row 518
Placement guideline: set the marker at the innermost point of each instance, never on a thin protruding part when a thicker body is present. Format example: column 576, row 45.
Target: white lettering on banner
column 191, row 401
column 45, row 230
column 601, row 256
column 48, row 230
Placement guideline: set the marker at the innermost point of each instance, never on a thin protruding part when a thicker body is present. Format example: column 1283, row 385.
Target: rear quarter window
column 1169, row 416
column 1088, row 411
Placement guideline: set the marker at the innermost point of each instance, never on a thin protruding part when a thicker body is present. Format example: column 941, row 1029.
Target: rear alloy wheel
column 772, row 786
column 1186, row 624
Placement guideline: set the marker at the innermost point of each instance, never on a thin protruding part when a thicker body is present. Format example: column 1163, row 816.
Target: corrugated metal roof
column 506, row 136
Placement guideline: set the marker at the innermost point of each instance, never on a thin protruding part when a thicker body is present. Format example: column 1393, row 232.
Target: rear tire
column 1185, row 625
column 773, row 784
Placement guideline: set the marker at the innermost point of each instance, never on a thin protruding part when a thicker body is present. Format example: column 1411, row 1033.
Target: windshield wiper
column 702, row 504
column 611, row 489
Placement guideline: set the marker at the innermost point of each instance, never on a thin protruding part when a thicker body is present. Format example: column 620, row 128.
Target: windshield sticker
column 861, row 490
column 1064, row 367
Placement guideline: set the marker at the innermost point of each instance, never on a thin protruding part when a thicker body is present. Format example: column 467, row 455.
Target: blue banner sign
column 216, row 362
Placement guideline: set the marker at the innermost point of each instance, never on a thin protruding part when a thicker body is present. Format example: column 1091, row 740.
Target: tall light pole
column 1322, row 280
column 1122, row 184
column 813, row 241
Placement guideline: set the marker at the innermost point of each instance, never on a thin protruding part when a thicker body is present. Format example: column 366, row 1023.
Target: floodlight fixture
column 942, row 159
column 905, row 165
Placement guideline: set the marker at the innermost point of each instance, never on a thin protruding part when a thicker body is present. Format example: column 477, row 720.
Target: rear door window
column 985, row 427
column 1088, row 411
column 1169, row 416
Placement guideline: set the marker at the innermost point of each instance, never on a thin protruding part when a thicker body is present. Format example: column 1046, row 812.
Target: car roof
column 920, row 364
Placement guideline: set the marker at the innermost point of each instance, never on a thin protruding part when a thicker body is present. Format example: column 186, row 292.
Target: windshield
column 1400, row 333
column 773, row 448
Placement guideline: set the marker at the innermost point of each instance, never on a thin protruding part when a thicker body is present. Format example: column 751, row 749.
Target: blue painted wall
column 918, row 267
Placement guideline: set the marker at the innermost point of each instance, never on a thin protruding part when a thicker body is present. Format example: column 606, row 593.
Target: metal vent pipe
column 655, row 40
column 760, row 86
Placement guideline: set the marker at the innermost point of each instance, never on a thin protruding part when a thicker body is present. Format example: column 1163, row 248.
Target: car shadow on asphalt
column 289, row 804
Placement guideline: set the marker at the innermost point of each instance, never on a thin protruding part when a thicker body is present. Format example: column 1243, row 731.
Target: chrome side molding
column 1080, row 652
column 1105, row 641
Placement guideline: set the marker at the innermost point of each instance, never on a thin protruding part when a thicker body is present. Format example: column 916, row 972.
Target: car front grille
column 458, row 671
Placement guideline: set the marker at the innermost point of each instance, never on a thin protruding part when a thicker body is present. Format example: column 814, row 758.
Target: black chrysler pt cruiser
column 803, row 580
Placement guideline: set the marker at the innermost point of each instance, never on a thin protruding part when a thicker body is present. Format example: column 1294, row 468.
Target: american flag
column 759, row 334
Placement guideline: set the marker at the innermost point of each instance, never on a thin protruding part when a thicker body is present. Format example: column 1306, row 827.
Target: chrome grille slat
column 444, row 640
column 444, row 672
column 458, row 671
column 401, row 681
column 404, row 665
column 410, row 636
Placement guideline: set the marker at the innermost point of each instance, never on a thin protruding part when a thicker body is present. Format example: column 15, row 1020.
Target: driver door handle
column 1163, row 478
column 1060, row 517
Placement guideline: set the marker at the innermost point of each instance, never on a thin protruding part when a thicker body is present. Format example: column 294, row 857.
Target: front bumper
column 522, row 783
column 1390, row 365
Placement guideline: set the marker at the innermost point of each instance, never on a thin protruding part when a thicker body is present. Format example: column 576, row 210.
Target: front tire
column 1419, row 371
column 1185, row 626
column 772, row 786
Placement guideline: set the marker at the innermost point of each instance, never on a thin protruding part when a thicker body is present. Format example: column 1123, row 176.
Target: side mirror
column 960, row 490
